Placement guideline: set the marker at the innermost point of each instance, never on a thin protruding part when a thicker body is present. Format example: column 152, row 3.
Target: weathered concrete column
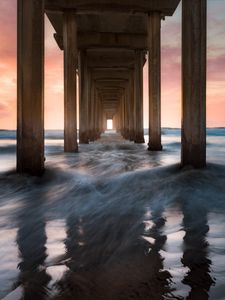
column 104, row 121
column 154, row 59
column 138, row 100
column 114, row 120
column 84, row 101
column 126, row 113
column 100, row 116
column 123, row 114
column 102, row 112
column 96, row 115
column 70, row 97
column 92, row 110
column 89, row 101
column 131, row 106
column 30, row 87
column 194, row 83
column 118, row 118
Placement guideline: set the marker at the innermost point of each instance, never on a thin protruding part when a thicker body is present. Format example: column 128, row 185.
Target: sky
column 171, row 70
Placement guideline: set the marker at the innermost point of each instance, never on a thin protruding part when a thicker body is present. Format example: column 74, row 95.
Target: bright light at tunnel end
column 109, row 124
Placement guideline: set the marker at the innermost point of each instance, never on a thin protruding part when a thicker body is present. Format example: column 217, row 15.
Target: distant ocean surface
column 113, row 222
column 170, row 139
column 58, row 134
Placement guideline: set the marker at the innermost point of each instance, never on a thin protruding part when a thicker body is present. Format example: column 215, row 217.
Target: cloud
column 171, row 69
column 216, row 68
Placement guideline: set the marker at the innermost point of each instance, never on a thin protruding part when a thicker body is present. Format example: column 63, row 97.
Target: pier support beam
column 194, row 83
column 92, row 109
column 126, row 113
column 84, row 101
column 138, row 97
column 131, row 106
column 70, row 79
column 154, row 59
column 30, row 87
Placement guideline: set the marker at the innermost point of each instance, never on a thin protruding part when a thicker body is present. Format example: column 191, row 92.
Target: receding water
column 113, row 221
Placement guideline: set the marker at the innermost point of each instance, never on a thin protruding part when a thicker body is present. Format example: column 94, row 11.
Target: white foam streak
column 114, row 211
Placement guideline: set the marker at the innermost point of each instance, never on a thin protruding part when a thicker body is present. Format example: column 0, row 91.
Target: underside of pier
column 107, row 43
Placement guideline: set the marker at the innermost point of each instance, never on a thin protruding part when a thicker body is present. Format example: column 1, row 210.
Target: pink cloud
column 216, row 68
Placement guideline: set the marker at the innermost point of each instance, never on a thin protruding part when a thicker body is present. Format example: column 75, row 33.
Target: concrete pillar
column 30, row 87
column 84, row 99
column 118, row 118
column 123, row 114
column 104, row 121
column 154, row 33
column 101, row 117
column 97, row 116
column 126, row 113
column 131, row 106
column 89, row 103
column 138, row 102
column 193, row 150
column 114, row 122
column 92, row 110
column 70, row 98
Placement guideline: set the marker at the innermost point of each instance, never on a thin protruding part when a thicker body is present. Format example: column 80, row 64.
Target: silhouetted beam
column 111, row 74
column 194, row 83
column 92, row 40
column 106, row 100
column 70, row 65
column 110, row 58
column 117, row 84
column 30, row 87
column 84, row 89
column 107, row 22
column 106, row 88
column 131, row 106
column 138, row 98
column 110, row 95
column 110, row 105
column 166, row 7
column 154, row 27
column 111, row 80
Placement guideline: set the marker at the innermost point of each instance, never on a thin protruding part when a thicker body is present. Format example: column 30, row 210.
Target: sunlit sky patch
column 171, row 70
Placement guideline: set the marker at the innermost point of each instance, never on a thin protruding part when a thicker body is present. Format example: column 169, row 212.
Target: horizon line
column 166, row 127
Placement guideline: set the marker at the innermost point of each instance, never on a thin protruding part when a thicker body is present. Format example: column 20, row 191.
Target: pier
column 106, row 45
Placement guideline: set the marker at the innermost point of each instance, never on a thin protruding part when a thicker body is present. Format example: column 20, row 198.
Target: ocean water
column 113, row 221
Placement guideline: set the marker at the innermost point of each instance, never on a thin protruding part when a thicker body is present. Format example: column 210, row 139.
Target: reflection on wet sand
column 113, row 261
column 195, row 255
column 31, row 240
column 111, row 255
column 111, row 231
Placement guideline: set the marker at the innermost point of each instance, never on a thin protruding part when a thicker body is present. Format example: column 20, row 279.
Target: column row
column 129, row 116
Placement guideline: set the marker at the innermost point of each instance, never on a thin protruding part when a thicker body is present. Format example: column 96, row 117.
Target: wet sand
column 113, row 222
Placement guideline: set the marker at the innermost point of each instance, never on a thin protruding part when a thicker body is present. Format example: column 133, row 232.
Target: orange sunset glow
column 112, row 150
column 171, row 70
